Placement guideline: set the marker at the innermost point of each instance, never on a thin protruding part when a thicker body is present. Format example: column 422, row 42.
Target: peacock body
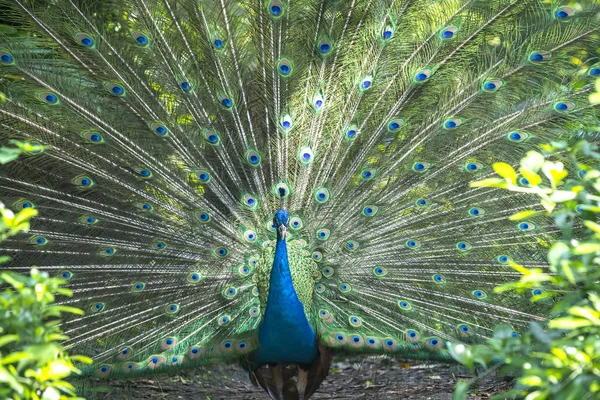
column 273, row 181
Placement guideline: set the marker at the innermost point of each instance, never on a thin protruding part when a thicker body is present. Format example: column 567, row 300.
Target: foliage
column 8, row 154
column 561, row 360
column 33, row 365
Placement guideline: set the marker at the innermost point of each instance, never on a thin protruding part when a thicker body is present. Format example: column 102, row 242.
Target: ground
column 372, row 378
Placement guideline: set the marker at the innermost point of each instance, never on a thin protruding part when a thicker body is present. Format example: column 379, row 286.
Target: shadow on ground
column 372, row 378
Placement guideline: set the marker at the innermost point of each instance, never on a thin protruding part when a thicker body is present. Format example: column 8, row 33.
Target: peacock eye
column 423, row 75
column 395, row 124
column 284, row 68
column 448, row 32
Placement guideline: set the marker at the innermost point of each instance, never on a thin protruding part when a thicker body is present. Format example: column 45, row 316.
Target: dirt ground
column 375, row 378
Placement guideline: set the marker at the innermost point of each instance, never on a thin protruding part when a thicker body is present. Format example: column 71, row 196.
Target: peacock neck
column 285, row 335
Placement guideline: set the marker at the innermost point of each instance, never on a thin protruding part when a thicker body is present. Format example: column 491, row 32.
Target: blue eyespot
column 539, row 56
column 537, row 292
column 536, row 57
column 595, row 71
column 275, row 10
column 421, row 76
column 218, row 43
column 118, row 90
column 227, row 102
column 185, row 86
column 142, row 40
column 161, row 130
column 395, row 124
column 412, row 244
column 50, row 98
column 564, row 106
column 516, row 136
column 447, row 34
column 324, row 47
column 421, row 202
column 463, row 246
column 86, row 41
column 6, row 58
column 563, row 13
column 405, row 305
column 502, row 259
column 490, row 86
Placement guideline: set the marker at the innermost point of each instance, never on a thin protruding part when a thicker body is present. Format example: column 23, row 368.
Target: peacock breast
column 304, row 271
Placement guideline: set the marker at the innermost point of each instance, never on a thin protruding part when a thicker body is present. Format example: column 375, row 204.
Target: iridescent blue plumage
column 285, row 335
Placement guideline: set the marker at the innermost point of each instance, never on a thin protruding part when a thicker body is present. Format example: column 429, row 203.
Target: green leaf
column 560, row 196
column 8, row 154
column 557, row 252
column 569, row 323
column 461, row 390
column 12, row 358
column 6, row 339
column 461, row 353
column 506, row 171
column 533, row 161
column 491, row 182
column 523, row 214
column 586, row 248
column 68, row 309
column 592, row 225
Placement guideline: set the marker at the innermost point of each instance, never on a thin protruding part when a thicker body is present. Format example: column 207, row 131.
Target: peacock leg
column 278, row 380
column 301, row 382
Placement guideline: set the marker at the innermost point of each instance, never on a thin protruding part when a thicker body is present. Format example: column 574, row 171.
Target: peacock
column 272, row 182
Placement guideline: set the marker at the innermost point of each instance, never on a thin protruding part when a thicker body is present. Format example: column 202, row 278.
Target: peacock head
column 281, row 220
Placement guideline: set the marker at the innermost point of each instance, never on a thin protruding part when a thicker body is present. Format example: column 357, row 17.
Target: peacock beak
column 282, row 231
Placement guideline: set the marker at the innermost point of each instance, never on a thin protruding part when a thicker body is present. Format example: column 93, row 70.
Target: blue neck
column 285, row 335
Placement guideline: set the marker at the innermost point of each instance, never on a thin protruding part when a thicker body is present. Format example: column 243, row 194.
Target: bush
column 33, row 365
column 563, row 360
